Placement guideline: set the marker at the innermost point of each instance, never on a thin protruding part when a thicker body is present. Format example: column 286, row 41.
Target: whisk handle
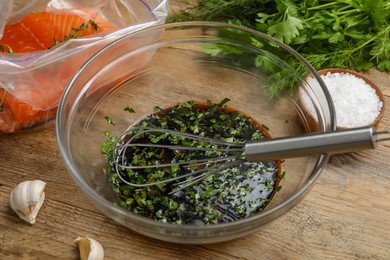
column 342, row 141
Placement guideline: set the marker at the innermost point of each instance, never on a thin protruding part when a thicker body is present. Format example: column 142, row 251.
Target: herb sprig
column 76, row 31
column 6, row 48
column 350, row 34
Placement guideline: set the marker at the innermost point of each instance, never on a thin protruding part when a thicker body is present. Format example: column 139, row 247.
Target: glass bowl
column 191, row 61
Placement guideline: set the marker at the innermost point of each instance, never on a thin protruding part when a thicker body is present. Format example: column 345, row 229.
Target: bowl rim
column 288, row 203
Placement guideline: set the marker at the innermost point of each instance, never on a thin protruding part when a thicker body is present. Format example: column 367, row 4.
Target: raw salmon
column 37, row 32
column 16, row 115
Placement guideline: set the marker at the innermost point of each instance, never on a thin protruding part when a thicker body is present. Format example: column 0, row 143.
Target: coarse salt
column 356, row 102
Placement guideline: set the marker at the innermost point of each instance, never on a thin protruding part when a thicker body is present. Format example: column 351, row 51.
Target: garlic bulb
column 90, row 249
column 27, row 198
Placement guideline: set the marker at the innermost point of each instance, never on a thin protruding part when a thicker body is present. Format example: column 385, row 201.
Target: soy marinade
column 225, row 196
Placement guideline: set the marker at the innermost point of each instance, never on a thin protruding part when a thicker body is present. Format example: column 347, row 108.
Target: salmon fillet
column 38, row 32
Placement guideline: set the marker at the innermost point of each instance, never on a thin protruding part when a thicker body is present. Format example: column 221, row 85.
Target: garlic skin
column 90, row 249
column 27, row 198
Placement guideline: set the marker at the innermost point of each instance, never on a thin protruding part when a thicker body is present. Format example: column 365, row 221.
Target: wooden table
column 345, row 216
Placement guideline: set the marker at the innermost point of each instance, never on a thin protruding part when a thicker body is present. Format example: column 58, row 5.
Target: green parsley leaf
column 129, row 109
column 109, row 120
column 287, row 29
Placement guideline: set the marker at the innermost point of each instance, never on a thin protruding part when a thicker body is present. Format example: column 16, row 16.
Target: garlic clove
column 27, row 198
column 90, row 249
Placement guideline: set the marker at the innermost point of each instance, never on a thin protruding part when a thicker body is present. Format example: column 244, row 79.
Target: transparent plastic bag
column 31, row 83
column 5, row 13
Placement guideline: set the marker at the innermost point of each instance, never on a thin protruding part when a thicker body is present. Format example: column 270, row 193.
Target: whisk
column 220, row 155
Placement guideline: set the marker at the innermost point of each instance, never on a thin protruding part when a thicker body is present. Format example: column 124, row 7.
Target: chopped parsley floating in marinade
column 225, row 196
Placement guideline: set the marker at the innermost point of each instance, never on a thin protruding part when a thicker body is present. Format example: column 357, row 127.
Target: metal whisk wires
column 196, row 160
column 382, row 136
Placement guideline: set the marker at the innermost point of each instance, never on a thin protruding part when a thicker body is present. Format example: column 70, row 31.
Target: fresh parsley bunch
column 352, row 34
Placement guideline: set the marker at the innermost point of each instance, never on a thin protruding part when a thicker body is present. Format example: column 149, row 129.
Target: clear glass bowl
column 184, row 65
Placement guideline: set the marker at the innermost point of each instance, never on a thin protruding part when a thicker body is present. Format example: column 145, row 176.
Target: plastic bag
column 31, row 83
column 5, row 12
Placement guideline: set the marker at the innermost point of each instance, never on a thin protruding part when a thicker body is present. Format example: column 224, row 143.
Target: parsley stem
column 318, row 7
column 386, row 30
column 340, row 12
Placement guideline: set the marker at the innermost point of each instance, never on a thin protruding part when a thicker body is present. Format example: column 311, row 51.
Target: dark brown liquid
column 223, row 196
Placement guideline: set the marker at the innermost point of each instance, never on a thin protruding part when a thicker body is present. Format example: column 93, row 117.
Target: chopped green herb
column 283, row 174
column 129, row 109
column 223, row 102
column 265, row 127
column 109, row 120
column 224, row 196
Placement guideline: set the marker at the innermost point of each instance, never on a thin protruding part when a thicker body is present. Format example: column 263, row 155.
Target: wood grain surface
column 345, row 216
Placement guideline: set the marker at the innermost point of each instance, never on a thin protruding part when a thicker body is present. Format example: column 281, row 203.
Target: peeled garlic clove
column 90, row 249
column 27, row 198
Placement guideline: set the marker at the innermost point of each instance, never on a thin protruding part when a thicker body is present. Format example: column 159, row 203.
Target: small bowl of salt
column 357, row 100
